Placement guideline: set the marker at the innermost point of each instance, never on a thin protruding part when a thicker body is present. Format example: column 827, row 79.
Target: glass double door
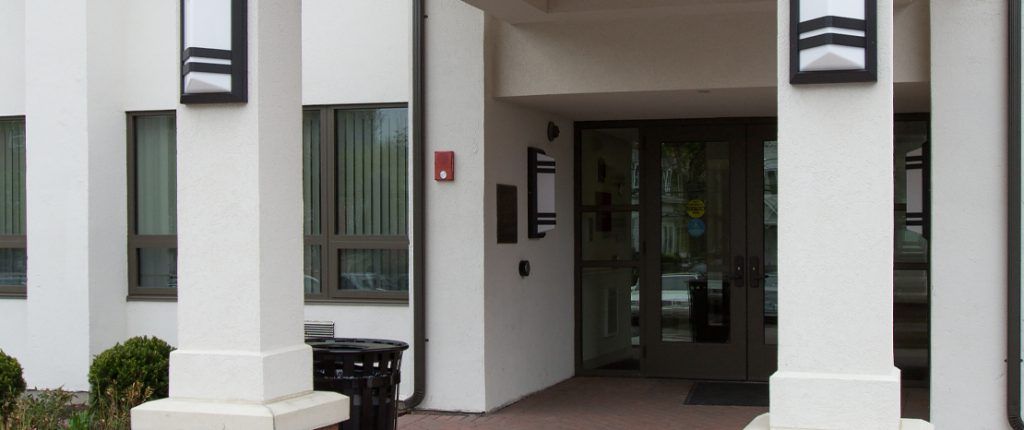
column 710, row 308
column 699, row 258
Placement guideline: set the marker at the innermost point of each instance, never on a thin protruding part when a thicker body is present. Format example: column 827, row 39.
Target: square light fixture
column 213, row 51
column 833, row 41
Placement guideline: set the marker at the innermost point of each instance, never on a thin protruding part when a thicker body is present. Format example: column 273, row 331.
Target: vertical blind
column 12, row 199
column 155, row 175
column 12, row 177
column 155, row 178
column 372, row 172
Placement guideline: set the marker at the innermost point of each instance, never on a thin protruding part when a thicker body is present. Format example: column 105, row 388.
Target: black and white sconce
column 833, row 41
column 541, row 193
column 213, row 51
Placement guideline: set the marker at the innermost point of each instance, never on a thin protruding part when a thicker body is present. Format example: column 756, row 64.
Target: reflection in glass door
column 695, row 309
column 609, row 250
column 677, row 239
column 695, row 227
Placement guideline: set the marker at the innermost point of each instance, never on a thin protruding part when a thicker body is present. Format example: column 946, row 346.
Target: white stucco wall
column 529, row 321
column 969, row 180
column 356, row 51
column 12, row 51
column 664, row 51
column 454, row 210
column 74, row 167
column 150, row 60
column 13, row 335
column 13, row 312
column 372, row 67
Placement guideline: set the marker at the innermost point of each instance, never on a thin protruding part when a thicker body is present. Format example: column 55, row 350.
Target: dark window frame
column 137, row 242
column 15, row 241
column 329, row 240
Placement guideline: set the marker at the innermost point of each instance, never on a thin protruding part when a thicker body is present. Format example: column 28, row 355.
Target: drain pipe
column 419, row 308
column 1013, row 344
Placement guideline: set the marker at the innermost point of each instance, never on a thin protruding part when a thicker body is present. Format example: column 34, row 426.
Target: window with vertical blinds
column 12, row 206
column 152, row 201
column 355, row 188
column 355, row 174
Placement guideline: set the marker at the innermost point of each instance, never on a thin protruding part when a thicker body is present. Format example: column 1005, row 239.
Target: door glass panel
column 608, row 236
column 771, row 242
column 610, row 167
column 695, row 220
column 610, row 320
column 910, row 277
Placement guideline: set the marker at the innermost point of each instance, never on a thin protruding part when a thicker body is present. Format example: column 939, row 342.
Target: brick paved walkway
column 596, row 404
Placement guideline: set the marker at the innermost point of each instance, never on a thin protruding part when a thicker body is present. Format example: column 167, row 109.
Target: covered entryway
column 677, row 248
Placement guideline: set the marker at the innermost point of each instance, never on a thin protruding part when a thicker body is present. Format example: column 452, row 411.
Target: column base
column 762, row 422
column 305, row 412
column 812, row 400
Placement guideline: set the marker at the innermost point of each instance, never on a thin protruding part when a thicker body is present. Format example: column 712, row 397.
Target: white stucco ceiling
column 524, row 11
column 709, row 103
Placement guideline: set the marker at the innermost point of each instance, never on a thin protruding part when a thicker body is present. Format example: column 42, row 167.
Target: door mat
column 728, row 394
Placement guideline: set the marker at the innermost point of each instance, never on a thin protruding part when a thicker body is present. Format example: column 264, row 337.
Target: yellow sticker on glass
column 695, row 208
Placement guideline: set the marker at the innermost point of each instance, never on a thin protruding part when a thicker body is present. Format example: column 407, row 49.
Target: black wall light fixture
column 833, row 41
column 541, row 193
column 213, row 51
column 553, row 131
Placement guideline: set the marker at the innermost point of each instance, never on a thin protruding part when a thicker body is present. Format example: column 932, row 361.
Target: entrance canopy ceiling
column 525, row 11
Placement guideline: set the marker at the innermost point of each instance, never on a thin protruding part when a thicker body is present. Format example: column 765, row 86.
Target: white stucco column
column 242, row 362
column 76, row 189
column 969, row 221
column 835, row 249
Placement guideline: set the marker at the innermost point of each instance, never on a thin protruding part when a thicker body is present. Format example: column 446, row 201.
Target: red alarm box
column 444, row 166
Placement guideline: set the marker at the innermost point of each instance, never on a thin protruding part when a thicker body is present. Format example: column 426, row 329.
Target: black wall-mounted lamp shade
column 833, row 41
column 553, row 131
column 214, row 60
column 541, row 193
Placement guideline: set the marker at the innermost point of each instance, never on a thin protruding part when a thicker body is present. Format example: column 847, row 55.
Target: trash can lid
column 342, row 345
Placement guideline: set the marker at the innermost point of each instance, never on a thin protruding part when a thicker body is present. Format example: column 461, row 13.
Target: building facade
column 847, row 242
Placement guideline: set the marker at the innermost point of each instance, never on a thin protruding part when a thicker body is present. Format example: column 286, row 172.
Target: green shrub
column 49, row 409
column 140, row 363
column 81, row 420
column 115, row 410
column 12, row 384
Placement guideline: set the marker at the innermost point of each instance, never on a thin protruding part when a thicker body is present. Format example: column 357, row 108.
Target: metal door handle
column 755, row 272
column 738, row 271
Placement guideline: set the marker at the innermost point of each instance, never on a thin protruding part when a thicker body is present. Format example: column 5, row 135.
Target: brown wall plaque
column 508, row 214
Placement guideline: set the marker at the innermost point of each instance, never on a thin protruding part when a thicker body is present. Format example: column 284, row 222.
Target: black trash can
column 368, row 371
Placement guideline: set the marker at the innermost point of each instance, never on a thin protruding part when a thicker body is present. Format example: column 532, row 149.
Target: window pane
column 311, row 172
column 12, row 177
column 372, row 165
column 610, row 170
column 312, row 265
column 610, row 235
column 373, row 270
column 155, row 176
column 158, row 268
column 12, row 266
column 610, row 318
column 911, row 240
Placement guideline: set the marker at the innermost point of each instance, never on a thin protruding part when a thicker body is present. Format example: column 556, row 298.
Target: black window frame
column 329, row 240
column 15, row 241
column 137, row 242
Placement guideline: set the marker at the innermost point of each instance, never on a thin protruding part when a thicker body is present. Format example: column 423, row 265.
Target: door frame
column 759, row 123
